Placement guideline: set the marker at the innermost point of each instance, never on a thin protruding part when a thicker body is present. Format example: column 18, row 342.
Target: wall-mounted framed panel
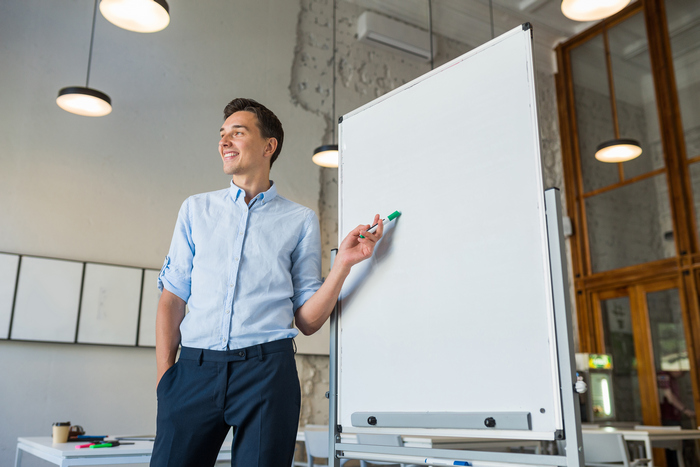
column 149, row 304
column 110, row 305
column 48, row 296
column 8, row 284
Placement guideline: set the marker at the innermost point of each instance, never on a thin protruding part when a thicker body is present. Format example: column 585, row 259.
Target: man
column 247, row 262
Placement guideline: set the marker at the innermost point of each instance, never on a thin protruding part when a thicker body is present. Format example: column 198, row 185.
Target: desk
column 65, row 454
column 653, row 437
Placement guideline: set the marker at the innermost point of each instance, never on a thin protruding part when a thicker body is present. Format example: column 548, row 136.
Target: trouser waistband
column 254, row 351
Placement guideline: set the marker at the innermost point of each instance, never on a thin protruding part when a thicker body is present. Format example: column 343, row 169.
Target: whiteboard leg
column 564, row 330
column 333, row 434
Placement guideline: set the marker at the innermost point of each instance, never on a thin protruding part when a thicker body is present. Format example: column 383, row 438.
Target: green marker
column 389, row 218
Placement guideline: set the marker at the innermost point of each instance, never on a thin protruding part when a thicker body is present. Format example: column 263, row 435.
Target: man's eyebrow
column 234, row 126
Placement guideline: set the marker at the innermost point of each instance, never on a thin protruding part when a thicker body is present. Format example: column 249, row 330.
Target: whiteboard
column 149, row 305
column 453, row 313
column 8, row 281
column 48, row 294
column 109, row 307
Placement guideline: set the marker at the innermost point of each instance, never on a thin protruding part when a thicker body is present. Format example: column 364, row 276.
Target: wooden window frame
column 683, row 269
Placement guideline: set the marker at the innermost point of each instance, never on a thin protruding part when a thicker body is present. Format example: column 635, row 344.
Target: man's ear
column 270, row 147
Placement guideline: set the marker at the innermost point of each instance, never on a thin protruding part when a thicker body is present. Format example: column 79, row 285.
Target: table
column 657, row 437
column 65, row 454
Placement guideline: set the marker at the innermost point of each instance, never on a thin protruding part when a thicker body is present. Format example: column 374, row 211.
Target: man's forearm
column 171, row 311
column 357, row 246
column 312, row 314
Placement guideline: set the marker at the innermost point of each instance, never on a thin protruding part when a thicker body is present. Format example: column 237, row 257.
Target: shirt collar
column 262, row 198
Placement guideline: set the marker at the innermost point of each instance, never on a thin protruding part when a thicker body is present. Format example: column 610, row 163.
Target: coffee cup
column 60, row 432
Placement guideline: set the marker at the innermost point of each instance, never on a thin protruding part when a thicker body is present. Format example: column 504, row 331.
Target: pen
column 103, row 445
column 389, row 218
column 445, row 462
column 81, row 446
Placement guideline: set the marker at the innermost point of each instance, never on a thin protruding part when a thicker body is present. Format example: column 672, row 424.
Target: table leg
column 679, row 456
column 649, row 452
column 18, row 457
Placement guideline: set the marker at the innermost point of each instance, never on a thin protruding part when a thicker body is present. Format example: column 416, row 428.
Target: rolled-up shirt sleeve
column 176, row 274
column 306, row 262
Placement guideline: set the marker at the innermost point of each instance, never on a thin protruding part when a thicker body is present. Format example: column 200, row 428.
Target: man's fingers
column 380, row 229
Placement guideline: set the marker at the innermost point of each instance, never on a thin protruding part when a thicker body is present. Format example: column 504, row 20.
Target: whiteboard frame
column 562, row 354
column 150, row 296
column 47, row 300
column 109, row 305
column 9, row 275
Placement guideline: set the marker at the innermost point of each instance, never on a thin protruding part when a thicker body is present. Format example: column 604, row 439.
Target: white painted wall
column 108, row 189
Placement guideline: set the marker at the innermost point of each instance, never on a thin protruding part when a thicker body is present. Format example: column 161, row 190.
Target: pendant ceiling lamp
column 618, row 150
column 591, row 10
column 85, row 100
column 137, row 15
column 327, row 155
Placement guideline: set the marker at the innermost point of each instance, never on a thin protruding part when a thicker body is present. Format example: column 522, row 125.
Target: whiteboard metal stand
column 573, row 457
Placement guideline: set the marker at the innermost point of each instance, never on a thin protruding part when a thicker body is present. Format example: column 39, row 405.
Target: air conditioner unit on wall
column 388, row 33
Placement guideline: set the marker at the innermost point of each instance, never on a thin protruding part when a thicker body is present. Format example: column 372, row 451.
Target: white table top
column 68, row 450
column 647, row 432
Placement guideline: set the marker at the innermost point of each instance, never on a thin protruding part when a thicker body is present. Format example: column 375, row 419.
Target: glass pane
column 671, row 358
column 634, row 93
column 695, row 181
column 683, row 17
column 630, row 225
column 619, row 342
column 593, row 112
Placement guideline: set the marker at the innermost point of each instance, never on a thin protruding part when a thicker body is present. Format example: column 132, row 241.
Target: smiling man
column 247, row 262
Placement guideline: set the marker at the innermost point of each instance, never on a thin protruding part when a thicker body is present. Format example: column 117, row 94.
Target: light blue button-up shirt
column 242, row 269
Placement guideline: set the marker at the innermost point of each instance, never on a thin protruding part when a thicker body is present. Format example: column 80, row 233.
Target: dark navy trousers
column 255, row 390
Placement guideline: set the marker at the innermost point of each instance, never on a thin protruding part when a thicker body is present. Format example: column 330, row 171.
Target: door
column 643, row 328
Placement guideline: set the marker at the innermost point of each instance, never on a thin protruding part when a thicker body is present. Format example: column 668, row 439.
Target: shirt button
column 240, row 233
column 227, row 311
column 236, row 258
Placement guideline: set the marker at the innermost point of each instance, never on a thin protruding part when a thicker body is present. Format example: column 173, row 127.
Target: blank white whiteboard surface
column 48, row 294
column 8, row 281
column 454, row 311
column 109, row 308
column 149, row 305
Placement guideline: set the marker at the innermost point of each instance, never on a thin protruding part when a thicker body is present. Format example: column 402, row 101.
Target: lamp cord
column 430, row 33
column 491, row 17
column 333, row 122
column 92, row 39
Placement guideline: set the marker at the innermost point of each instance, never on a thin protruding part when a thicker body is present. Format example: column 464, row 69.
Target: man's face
column 242, row 148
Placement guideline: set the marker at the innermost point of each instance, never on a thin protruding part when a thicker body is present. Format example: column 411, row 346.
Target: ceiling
column 469, row 21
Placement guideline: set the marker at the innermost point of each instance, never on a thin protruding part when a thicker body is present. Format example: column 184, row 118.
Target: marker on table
column 445, row 462
column 389, row 218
